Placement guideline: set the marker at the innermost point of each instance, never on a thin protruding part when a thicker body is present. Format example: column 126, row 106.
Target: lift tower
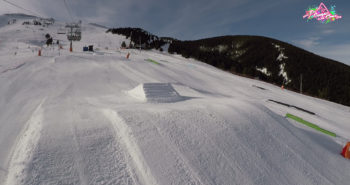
column 74, row 33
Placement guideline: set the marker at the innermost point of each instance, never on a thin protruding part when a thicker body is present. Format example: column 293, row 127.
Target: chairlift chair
column 74, row 32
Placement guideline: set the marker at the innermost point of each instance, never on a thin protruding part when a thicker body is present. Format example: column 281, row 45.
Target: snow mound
column 156, row 93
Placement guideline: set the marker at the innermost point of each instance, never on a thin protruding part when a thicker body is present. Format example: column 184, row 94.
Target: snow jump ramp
column 156, row 93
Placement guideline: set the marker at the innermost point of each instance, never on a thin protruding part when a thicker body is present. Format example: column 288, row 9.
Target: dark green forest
column 139, row 38
column 243, row 55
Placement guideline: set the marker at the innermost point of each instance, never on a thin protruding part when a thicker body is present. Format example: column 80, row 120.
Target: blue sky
column 195, row 19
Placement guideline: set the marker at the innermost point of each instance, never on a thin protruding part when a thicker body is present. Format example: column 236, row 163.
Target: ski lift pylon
column 74, row 32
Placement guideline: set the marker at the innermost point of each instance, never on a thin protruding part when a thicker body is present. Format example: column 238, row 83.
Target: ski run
column 100, row 118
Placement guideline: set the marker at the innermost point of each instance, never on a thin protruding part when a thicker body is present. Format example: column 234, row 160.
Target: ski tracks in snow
column 25, row 147
column 131, row 146
column 78, row 146
column 167, row 146
column 68, row 142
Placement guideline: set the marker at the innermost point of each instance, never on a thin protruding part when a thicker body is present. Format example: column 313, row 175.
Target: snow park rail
column 152, row 61
column 311, row 125
column 293, row 106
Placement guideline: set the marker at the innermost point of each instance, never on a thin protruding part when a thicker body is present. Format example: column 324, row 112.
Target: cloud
column 308, row 43
column 337, row 52
column 328, row 31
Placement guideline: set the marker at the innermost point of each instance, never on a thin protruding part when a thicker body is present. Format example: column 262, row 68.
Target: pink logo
column 322, row 14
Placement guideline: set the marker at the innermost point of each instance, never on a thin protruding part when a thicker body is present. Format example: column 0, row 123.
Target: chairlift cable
column 68, row 9
column 20, row 7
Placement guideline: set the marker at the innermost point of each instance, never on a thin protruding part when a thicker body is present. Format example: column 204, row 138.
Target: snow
column 222, row 48
column 278, row 47
column 281, row 56
column 138, row 93
column 23, row 152
column 72, row 118
column 219, row 48
column 165, row 47
column 264, row 71
column 122, row 129
column 284, row 74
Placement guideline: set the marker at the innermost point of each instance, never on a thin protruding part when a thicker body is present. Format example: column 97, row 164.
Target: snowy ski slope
column 99, row 118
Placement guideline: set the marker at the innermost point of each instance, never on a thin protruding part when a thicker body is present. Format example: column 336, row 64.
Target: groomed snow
column 72, row 118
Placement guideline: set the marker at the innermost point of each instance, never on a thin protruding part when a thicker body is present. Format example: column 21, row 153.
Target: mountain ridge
column 260, row 57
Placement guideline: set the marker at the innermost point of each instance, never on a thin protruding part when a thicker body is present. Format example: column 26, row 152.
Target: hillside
column 141, row 39
column 153, row 119
column 268, row 59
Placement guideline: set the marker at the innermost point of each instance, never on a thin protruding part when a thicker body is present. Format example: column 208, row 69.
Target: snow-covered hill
column 99, row 118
